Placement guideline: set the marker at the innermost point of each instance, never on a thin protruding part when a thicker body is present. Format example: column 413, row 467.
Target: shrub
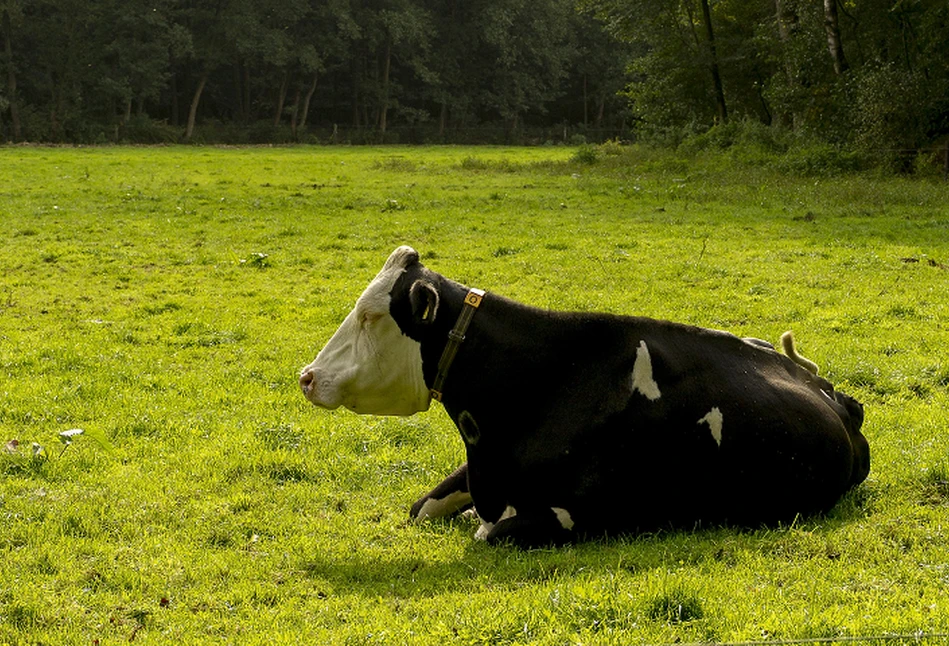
column 585, row 154
column 745, row 133
column 892, row 111
column 611, row 147
column 820, row 159
column 142, row 130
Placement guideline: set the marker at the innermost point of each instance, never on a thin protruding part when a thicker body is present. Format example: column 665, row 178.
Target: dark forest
column 871, row 75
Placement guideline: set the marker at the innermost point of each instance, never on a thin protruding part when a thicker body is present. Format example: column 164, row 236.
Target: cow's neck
column 456, row 337
column 498, row 327
column 435, row 339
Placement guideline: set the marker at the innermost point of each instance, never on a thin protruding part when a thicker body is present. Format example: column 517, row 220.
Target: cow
column 587, row 424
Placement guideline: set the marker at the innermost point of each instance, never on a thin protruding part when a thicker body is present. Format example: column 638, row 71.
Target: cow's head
column 369, row 365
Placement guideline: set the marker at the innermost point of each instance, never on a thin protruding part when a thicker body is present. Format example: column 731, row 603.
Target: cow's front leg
column 532, row 528
column 451, row 496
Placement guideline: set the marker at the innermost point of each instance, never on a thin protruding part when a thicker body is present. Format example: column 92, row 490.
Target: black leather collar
column 455, row 338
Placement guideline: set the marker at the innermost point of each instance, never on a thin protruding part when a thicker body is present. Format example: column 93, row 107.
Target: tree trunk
column 713, row 64
column 586, row 118
column 442, row 118
column 245, row 89
column 175, row 119
column 783, row 33
column 513, row 131
column 281, row 97
column 241, row 116
column 294, row 113
column 784, row 36
column 384, row 108
column 192, row 113
column 834, row 44
column 56, row 107
column 355, row 74
column 760, row 84
column 11, row 77
column 306, row 101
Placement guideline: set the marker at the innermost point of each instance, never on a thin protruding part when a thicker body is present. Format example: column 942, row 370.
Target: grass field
column 164, row 299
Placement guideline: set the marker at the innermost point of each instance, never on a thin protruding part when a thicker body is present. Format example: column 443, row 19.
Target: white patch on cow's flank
column 563, row 516
column 643, row 381
column 714, row 419
column 438, row 507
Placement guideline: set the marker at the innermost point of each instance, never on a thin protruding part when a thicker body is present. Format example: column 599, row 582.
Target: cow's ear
column 424, row 299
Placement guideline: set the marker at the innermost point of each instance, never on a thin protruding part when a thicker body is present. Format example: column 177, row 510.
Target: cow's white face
column 368, row 365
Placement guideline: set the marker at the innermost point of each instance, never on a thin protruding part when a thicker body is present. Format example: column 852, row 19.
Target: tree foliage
column 869, row 76
column 104, row 70
column 874, row 75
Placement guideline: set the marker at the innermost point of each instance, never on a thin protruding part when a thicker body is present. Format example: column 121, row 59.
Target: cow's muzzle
column 306, row 382
column 316, row 388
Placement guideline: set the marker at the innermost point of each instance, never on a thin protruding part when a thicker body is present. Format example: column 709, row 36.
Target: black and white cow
column 578, row 424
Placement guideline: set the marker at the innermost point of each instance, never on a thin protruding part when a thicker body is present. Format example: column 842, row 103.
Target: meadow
column 164, row 299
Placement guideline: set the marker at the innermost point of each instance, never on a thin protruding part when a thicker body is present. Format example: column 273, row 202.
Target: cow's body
column 590, row 423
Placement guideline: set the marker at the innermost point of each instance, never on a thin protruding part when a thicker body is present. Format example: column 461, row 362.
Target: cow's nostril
column 306, row 381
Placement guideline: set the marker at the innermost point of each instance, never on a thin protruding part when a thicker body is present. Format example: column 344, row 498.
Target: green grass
column 166, row 298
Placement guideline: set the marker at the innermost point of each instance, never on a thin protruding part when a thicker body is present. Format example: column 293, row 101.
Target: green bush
column 891, row 112
column 585, row 154
column 819, row 159
column 142, row 130
column 745, row 133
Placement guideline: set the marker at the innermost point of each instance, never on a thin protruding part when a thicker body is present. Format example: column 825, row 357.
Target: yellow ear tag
column 474, row 297
column 428, row 308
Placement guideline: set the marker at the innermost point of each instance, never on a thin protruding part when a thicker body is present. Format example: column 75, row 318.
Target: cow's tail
column 787, row 342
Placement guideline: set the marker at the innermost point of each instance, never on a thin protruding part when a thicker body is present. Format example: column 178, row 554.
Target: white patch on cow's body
column 486, row 527
column 469, row 428
column 368, row 365
column 714, row 419
column 761, row 344
column 643, row 381
column 563, row 516
column 438, row 507
column 483, row 531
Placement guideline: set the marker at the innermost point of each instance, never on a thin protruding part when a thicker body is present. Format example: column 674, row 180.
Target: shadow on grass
column 371, row 573
column 400, row 577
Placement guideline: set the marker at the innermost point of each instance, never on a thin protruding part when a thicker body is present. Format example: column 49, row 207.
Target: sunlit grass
column 166, row 298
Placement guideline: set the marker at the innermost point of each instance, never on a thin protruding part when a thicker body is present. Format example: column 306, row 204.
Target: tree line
column 79, row 70
column 870, row 74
